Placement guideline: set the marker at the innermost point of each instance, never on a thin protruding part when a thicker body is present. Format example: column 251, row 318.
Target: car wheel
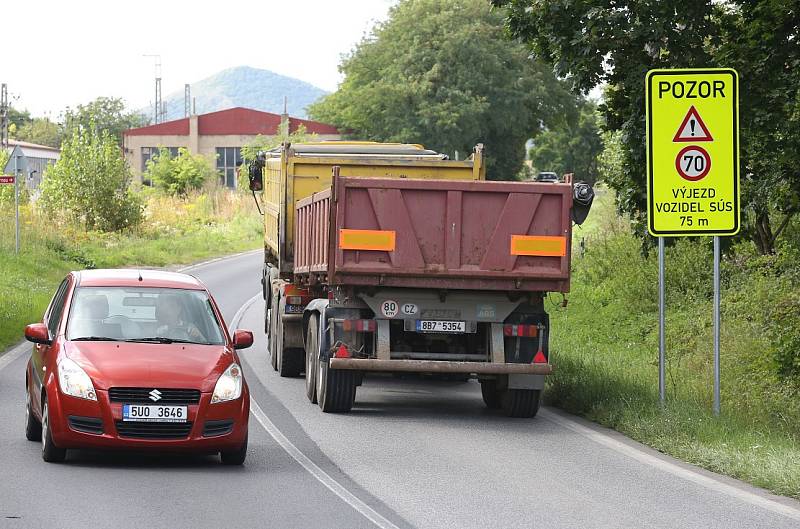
column 50, row 452
column 234, row 457
column 33, row 428
column 312, row 357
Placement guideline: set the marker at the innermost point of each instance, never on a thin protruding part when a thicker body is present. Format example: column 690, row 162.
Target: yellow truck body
column 297, row 171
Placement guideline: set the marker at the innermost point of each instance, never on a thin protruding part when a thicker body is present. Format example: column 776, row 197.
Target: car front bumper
column 65, row 434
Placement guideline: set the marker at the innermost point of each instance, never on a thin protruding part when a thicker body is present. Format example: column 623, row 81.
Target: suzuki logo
column 155, row 395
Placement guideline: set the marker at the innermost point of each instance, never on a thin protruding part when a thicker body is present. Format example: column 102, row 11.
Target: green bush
column 181, row 174
column 90, row 183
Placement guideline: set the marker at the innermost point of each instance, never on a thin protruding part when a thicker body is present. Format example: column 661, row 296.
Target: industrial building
column 33, row 161
column 219, row 135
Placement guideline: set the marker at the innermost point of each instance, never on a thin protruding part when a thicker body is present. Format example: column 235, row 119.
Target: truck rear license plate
column 441, row 326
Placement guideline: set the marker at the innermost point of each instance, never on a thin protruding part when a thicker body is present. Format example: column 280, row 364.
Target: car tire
column 336, row 388
column 33, row 428
column 492, row 397
column 234, row 457
column 312, row 358
column 50, row 452
column 523, row 403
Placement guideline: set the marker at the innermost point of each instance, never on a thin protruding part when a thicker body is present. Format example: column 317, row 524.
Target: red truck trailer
column 428, row 276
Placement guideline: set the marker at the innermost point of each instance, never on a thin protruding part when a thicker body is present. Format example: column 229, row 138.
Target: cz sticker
column 409, row 309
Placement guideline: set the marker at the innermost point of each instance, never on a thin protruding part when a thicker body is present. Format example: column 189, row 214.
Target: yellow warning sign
column 692, row 152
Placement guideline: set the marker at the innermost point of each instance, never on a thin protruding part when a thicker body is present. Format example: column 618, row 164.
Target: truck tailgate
column 438, row 234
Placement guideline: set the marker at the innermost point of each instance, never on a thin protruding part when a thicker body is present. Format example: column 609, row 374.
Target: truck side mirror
column 582, row 198
column 256, row 175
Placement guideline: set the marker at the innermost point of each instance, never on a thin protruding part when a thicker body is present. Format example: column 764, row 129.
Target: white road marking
column 672, row 468
column 14, row 353
column 312, row 468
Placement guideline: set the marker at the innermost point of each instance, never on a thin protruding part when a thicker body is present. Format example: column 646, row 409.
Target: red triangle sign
column 692, row 128
column 539, row 358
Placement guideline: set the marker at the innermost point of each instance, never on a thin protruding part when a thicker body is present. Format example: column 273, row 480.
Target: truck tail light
column 359, row 325
column 295, row 300
column 342, row 352
column 525, row 331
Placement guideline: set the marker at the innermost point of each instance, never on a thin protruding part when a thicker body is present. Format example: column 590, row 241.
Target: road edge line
column 672, row 468
column 304, row 461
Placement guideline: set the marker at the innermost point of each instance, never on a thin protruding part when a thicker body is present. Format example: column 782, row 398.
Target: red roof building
column 219, row 135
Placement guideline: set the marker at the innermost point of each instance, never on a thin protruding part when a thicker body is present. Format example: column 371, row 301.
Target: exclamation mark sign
column 691, row 125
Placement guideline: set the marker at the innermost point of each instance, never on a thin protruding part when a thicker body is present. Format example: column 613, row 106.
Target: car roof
column 131, row 278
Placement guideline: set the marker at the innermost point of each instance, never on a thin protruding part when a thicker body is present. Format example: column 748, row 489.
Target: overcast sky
column 62, row 53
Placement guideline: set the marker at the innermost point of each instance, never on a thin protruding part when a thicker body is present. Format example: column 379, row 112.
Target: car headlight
column 74, row 380
column 229, row 385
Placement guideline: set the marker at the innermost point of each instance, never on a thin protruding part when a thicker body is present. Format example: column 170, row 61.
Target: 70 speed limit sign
column 692, row 152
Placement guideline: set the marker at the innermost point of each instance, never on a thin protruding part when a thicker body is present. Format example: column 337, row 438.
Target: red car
column 136, row 360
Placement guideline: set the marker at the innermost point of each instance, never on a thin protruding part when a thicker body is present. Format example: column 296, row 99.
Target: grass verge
column 605, row 349
column 175, row 231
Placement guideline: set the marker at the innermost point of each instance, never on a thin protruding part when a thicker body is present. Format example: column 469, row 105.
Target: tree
column 90, row 183
column 104, row 114
column 181, row 174
column 41, row 131
column 595, row 41
column 442, row 73
column 571, row 146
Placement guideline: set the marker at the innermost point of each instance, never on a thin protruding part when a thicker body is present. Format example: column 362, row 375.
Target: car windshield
column 141, row 314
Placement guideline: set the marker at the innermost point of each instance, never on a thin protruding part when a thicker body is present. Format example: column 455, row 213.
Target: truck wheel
column 272, row 336
column 312, row 358
column 336, row 388
column 291, row 360
column 492, row 397
column 521, row 402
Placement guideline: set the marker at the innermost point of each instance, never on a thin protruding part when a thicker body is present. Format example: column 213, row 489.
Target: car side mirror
column 38, row 333
column 242, row 339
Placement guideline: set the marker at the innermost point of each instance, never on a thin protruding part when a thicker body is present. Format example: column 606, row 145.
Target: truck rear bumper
column 438, row 366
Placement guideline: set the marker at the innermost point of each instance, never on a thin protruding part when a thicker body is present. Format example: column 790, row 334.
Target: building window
column 228, row 161
column 150, row 152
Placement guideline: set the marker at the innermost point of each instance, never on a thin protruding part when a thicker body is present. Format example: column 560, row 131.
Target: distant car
column 546, row 177
column 136, row 360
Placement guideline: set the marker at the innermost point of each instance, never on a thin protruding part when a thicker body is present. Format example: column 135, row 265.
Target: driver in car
column 171, row 322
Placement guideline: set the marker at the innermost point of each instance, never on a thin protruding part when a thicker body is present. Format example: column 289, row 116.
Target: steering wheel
column 130, row 329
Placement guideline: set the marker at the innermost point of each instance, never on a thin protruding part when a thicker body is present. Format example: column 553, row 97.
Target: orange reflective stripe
column 367, row 240
column 539, row 245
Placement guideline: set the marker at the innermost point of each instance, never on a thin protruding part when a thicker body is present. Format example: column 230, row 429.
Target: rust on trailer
column 450, row 234
column 439, row 366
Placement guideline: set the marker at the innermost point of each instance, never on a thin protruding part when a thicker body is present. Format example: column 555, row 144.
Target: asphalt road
column 413, row 453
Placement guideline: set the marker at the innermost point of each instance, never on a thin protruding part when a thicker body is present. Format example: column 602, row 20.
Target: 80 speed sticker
column 389, row 308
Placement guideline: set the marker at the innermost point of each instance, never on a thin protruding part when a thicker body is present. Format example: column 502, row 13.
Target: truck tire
column 492, row 397
column 336, row 388
column 272, row 337
column 312, row 357
column 522, row 403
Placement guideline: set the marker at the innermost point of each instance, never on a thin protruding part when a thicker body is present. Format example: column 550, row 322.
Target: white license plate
column 154, row 413
column 441, row 326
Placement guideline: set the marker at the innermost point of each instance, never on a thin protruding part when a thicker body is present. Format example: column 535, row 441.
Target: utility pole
column 157, row 105
column 3, row 116
column 187, row 97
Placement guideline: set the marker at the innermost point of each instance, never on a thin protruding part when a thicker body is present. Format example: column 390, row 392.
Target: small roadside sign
column 6, row 179
column 692, row 152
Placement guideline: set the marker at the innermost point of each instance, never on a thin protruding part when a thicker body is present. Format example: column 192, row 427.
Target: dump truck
column 393, row 258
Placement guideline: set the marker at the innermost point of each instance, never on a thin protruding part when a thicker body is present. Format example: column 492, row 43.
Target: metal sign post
column 16, row 203
column 662, row 342
column 692, row 173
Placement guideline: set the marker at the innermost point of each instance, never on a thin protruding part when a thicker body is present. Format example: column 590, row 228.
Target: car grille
column 217, row 428
column 142, row 395
column 91, row 425
column 154, row 430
